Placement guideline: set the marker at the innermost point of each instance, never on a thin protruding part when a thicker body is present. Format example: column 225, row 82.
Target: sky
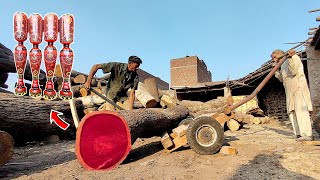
column 233, row 37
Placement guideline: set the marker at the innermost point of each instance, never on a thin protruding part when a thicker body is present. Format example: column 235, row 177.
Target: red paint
column 50, row 53
column 51, row 27
column 20, row 22
column 103, row 140
column 66, row 29
column 35, row 26
column 54, row 117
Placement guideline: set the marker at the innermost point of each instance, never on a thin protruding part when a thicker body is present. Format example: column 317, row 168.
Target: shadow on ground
column 35, row 159
column 143, row 151
column 266, row 166
column 279, row 131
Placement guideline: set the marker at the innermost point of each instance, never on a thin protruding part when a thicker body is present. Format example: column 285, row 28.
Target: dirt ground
column 264, row 152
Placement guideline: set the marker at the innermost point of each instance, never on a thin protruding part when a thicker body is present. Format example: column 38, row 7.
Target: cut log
column 245, row 118
column 91, row 101
column 233, row 125
column 152, row 87
column 228, row 150
column 217, row 103
column 90, row 110
column 170, row 93
column 104, row 138
column 189, row 103
column 145, row 123
column 145, row 97
column 166, row 141
column 27, row 119
column 6, row 147
column 80, row 79
column 261, row 120
column 167, row 102
column 84, row 92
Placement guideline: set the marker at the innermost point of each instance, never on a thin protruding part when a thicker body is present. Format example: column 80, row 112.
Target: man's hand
column 91, row 74
column 291, row 52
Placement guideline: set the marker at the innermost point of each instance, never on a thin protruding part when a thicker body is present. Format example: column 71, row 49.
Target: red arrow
column 54, row 117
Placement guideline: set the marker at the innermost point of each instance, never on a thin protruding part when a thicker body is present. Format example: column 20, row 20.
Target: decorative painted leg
column 20, row 51
column 35, row 55
column 66, row 29
column 50, row 53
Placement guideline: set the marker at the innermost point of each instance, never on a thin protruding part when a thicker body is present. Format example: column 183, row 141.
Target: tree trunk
column 5, row 91
column 27, row 119
column 3, row 79
column 6, row 147
column 150, row 122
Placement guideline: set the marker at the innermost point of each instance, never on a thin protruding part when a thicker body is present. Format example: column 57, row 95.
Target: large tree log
column 5, row 91
column 6, row 147
column 3, row 79
column 150, row 122
column 103, row 138
column 27, row 119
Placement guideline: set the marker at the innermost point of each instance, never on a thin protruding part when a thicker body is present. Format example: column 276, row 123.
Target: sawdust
column 264, row 152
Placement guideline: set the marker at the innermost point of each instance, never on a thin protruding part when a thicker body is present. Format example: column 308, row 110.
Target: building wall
column 144, row 75
column 203, row 74
column 188, row 71
column 314, row 77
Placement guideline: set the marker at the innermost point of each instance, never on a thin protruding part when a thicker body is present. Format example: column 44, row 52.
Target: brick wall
column 144, row 75
column 314, row 77
column 203, row 74
column 188, row 71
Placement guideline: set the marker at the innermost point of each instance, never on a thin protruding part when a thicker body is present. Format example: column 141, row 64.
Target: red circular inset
column 103, row 140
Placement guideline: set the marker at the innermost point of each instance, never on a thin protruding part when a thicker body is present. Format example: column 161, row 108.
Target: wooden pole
column 314, row 10
column 74, row 113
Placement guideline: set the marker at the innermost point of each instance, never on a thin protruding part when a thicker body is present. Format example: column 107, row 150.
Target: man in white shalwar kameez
column 297, row 94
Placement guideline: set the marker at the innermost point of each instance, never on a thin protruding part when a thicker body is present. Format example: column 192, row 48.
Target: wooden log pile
column 77, row 80
column 27, row 119
column 198, row 108
column 216, row 106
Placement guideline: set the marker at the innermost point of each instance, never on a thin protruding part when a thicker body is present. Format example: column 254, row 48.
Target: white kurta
column 297, row 95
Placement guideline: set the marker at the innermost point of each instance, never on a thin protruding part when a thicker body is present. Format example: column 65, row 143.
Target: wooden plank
column 311, row 143
column 221, row 118
column 166, row 141
column 228, row 150
column 178, row 142
column 180, row 130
